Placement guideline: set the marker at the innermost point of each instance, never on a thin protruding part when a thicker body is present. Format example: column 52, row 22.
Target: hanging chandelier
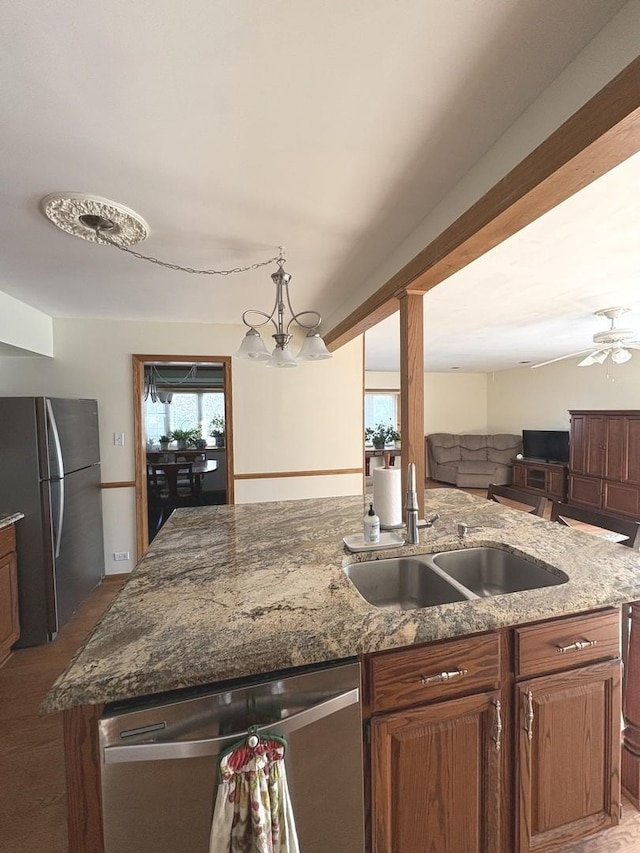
column 253, row 347
column 151, row 390
column 102, row 221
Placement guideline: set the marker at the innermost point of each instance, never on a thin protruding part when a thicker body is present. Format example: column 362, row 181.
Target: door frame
column 139, row 444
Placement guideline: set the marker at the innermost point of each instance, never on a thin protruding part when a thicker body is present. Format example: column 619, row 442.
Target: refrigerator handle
column 53, row 428
column 56, row 438
column 60, row 484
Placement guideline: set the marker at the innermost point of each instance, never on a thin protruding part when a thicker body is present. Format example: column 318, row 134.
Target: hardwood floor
column 32, row 784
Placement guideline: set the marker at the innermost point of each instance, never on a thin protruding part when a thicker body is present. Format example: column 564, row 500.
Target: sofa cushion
column 477, row 466
column 445, row 447
column 473, row 447
column 503, row 447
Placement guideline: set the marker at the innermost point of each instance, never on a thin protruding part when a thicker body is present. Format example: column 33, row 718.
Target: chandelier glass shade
column 253, row 347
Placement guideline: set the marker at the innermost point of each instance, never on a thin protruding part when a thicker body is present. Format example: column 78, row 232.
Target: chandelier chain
column 279, row 258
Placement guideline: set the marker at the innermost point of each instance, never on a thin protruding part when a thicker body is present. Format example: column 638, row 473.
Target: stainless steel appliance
column 50, row 471
column 159, row 761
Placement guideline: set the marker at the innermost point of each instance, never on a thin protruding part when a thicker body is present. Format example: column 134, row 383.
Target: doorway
column 183, row 437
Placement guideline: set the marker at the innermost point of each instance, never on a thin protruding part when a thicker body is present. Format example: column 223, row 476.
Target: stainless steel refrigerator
column 50, row 471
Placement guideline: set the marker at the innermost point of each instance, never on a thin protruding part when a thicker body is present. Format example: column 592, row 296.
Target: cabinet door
column 519, row 474
column 622, row 499
column 578, row 444
column 9, row 626
column 615, row 455
column 436, row 777
column 555, row 484
column 596, row 429
column 633, row 450
column 585, row 490
column 568, row 755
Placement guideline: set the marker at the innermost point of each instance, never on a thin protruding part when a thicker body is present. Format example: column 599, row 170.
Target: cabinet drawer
column 418, row 675
column 567, row 643
column 7, row 540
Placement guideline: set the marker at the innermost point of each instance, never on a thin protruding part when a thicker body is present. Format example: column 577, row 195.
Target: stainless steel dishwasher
column 159, row 761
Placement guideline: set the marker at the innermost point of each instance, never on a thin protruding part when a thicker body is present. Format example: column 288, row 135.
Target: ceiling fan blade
column 561, row 358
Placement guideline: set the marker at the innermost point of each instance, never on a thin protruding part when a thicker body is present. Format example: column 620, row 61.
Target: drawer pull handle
column 443, row 676
column 578, row 646
column 529, row 722
column 497, row 736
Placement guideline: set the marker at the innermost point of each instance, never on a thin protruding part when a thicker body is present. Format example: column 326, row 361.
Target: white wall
column 25, row 327
column 453, row 402
column 541, row 399
column 306, row 419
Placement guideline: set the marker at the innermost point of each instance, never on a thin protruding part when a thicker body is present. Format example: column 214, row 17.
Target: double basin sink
column 425, row 580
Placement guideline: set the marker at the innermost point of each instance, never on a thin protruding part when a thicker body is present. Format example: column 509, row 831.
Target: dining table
column 195, row 471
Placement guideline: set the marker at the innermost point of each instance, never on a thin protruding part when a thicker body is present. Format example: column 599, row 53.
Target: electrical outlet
column 120, row 555
column 118, row 439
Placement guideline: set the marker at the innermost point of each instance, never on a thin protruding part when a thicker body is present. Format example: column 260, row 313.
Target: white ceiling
column 236, row 125
column 532, row 298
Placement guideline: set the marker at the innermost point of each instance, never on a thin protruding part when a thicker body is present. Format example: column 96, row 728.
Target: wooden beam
column 600, row 135
column 412, row 390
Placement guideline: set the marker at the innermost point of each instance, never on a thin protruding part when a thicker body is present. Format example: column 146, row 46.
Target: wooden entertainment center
column 541, row 478
column 604, row 464
column 604, row 469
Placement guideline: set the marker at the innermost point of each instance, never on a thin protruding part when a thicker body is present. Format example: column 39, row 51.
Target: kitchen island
column 234, row 591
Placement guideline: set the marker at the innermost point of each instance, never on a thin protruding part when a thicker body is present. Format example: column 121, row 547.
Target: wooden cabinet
column 437, row 777
column 509, row 741
column 9, row 624
column 604, row 470
column 541, row 478
column 568, row 755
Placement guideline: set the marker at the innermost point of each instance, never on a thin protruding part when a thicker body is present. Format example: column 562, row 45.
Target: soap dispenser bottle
column 371, row 532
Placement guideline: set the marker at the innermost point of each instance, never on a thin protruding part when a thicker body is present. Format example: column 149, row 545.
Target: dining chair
column 538, row 503
column 625, row 527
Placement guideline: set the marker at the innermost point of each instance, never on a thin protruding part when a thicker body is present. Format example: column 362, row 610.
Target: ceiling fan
column 613, row 342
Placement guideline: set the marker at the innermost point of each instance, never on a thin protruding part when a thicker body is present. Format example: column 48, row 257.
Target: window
column 382, row 407
column 186, row 410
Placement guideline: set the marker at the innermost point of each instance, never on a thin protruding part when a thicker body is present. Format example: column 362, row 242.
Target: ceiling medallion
column 81, row 215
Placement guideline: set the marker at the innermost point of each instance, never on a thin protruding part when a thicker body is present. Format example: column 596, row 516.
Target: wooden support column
column 82, row 764
column 631, row 711
column 412, row 389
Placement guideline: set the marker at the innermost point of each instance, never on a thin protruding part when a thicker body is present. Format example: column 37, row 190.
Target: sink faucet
column 464, row 529
column 411, row 507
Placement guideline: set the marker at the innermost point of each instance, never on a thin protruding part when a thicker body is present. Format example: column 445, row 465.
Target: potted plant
column 394, row 436
column 185, row 437
column 368, row 435
column 164, row 442
column 380, row 435
column 217, row 430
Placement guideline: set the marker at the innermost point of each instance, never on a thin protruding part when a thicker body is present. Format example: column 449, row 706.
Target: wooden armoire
column 604, row 465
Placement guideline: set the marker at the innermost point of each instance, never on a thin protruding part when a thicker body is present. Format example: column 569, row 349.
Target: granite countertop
column 232, row 591
column 8, row 518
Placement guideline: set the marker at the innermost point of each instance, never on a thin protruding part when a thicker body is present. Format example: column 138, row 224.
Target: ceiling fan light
column 600, row 357
column 620, row 355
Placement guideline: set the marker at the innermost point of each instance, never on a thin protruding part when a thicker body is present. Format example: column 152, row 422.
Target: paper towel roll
column 387, row 496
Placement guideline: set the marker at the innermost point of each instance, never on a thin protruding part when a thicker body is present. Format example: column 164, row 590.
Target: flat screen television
column 548, row 445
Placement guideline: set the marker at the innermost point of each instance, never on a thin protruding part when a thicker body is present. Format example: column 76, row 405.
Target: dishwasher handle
column 212, row 746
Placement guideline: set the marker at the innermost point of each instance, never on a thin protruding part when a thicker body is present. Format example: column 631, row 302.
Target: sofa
column 471, row 461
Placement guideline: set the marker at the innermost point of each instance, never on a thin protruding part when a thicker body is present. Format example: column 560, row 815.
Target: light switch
column 118, row 439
